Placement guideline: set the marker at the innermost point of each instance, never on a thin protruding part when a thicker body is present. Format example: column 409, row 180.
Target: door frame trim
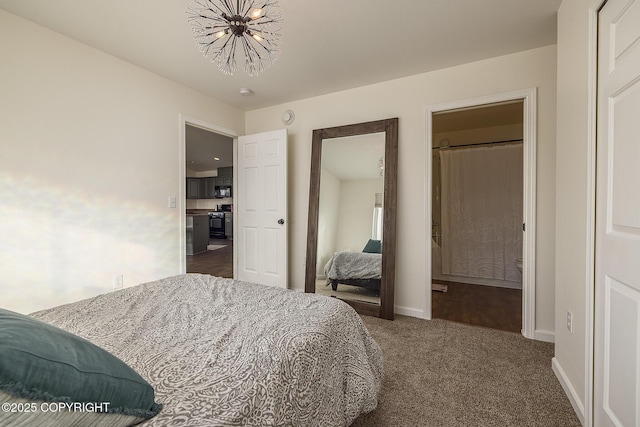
column 529, row 98
column 590, row 285
column 185, row 120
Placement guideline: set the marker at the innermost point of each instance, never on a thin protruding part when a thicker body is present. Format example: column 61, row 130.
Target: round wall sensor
column 288, row 117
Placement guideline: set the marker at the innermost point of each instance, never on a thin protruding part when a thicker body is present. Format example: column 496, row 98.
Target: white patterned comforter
column 225, row 353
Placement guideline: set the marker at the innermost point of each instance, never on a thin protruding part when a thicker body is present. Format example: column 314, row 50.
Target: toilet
column 519, row 264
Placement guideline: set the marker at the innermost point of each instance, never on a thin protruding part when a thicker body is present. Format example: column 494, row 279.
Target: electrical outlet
column 569, row 321
column 118, row 281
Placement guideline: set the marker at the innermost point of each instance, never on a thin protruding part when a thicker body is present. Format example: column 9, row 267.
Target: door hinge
column 524, row 228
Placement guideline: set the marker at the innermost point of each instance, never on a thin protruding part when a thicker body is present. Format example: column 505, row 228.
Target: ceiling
column 354, row 157
column 327, row 46
column 203, row 147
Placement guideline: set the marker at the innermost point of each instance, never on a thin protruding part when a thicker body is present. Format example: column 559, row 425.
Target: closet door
column 617, row 269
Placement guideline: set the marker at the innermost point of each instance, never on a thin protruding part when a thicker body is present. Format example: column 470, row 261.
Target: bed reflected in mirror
column 351, row 228
column 350, row 218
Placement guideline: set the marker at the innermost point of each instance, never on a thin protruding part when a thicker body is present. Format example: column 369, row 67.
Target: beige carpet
column 441, row 373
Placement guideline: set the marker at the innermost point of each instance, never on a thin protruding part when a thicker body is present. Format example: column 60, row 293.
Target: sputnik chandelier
column 247, row 28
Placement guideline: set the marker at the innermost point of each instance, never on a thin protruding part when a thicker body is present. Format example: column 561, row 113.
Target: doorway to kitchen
column 208, row 200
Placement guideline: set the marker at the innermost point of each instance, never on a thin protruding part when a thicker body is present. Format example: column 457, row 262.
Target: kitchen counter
column 197, row 233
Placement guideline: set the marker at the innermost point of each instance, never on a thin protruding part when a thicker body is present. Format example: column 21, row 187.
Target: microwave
column 223, row 191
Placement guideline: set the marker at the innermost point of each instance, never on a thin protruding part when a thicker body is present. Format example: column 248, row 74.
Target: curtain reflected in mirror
column 350, row 218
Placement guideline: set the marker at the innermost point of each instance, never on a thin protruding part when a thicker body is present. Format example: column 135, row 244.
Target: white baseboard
column 546, row 336
column 407, row 311
column 577, row 405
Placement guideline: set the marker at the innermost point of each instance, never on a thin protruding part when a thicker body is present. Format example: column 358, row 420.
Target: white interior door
column 617, row 260
column 261, row 208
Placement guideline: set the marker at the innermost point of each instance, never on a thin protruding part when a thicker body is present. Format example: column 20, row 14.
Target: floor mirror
column 351, row 236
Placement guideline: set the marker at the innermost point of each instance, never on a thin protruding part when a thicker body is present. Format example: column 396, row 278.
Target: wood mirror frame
column 390, row 128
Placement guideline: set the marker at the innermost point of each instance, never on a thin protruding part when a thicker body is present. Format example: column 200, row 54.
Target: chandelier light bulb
column 255, row 13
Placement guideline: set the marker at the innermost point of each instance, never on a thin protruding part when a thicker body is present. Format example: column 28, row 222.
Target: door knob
column 281, row 221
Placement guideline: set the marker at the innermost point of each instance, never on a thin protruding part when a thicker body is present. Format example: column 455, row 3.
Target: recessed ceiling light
column 216, row 158
column 245, row 91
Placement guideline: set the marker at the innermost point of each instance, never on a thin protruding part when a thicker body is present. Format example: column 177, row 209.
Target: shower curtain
column 482, row 211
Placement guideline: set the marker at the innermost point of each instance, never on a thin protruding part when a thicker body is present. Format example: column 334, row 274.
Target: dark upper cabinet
column 226, row 171
column 205, row 188
column 193, row 188
column 209, row 185
column 225, row 180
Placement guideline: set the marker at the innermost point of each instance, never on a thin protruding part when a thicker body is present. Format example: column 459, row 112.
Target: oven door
column 216, row 226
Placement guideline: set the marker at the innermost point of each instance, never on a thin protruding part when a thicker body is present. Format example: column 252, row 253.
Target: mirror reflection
column 350, row 217
column 355, row 168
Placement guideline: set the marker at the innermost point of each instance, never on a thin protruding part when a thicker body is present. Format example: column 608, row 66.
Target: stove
column 216, row 225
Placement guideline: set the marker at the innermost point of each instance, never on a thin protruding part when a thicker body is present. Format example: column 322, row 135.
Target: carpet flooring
column 442, row 373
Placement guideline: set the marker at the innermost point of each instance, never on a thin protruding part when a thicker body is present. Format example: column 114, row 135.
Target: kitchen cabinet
column 197, row 233
column 205, row 188
column 209, row 185
column 224, row 180
column 228, row 225
column 193, row 188
column 226, row 171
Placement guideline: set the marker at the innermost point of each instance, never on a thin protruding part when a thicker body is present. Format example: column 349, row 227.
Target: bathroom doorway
column 477, row 194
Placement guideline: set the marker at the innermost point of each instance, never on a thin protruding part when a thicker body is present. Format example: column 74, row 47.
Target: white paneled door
column 617, row 261
column 261, row 208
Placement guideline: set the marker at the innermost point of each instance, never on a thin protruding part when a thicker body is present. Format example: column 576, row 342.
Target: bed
column 361, row 269
column 220, row 352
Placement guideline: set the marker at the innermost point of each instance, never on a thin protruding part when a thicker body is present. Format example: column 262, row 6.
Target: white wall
column 572, row 192
column 357, row 200
column 328, row 211
column 406, row 98
column 88, row 158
